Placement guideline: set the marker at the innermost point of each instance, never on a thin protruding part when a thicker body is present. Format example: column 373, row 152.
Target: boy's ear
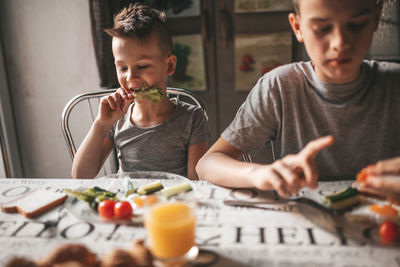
column 294, row 21
column 171, row 64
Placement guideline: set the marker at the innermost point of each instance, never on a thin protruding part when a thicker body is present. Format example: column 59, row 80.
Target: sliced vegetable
column 384, row 210
column 340, row 195
column 138, row 201
column 363, row 174
column 150, row 188
column 342, row 199
column 145, row 200
column 79, row 195
column 150, row 200
column 177, row 189
column 93, row 196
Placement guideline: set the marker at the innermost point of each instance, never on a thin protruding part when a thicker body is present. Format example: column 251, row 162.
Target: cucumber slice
column 174, row 190
column 342, row 199
column 346, row 203
column 340, row 195
column 150, row 188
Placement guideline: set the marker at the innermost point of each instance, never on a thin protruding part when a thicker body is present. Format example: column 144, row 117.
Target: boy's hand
column 124, row 95
column 277, row 176
column 387, row 187
column 383, row 179
column 113, row 107
column 389, row 166
column 288, row 175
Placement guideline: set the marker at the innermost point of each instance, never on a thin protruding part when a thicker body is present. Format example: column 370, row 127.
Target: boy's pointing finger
column 315, row 146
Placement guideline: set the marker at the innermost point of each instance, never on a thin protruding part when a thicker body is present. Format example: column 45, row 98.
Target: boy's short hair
column 140, row 21
column 296, row 5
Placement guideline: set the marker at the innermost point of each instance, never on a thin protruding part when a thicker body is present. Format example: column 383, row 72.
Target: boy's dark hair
column 296, row 5
column 140, row 21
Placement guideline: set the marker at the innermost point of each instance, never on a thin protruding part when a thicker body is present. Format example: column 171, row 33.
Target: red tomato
column 389, row 231
column 123, row 210
column 106, row 208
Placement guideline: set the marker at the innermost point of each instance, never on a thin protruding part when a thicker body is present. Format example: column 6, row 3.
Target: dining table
column 235, row 227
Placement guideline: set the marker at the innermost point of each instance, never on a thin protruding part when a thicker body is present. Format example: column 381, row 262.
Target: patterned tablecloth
column 273, row 235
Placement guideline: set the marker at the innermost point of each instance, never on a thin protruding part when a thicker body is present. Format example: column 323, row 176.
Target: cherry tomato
column 389, row 231
column 106, row 208
column 123, row 210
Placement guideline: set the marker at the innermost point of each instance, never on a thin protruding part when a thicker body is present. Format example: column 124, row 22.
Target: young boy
column 148, row 136
column 337, row 94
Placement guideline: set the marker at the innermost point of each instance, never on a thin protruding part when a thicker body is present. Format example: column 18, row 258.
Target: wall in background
column 49, row 58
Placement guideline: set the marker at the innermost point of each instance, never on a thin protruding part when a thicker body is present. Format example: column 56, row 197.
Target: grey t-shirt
column 292, row 106
column 163, row 147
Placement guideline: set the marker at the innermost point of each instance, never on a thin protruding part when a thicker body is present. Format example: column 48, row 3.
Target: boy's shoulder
column 188, row 109
column 287, row 76
column 384, row 65
column 384, row 69
column 184, row 106
column 290, row 70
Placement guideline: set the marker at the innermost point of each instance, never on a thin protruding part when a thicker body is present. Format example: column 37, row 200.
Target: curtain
column 101, row 16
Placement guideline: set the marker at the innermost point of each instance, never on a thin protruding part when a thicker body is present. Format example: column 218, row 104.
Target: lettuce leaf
column 153, row 94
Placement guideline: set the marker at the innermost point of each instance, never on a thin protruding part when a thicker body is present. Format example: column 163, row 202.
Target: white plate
column 117, row 183
column 353, row 223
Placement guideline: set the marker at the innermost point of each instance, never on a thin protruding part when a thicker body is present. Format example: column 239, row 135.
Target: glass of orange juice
column 171, row 228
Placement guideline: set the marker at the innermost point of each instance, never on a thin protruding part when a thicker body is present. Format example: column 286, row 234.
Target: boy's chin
column 339, row 75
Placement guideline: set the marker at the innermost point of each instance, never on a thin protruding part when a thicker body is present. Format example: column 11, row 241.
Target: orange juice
column 171, row 229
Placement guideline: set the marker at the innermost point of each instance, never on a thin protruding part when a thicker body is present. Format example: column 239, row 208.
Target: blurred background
column 52, row 50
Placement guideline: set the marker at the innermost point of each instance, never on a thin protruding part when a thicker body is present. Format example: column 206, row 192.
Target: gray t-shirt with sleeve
column 292, row 106
column 163, row 147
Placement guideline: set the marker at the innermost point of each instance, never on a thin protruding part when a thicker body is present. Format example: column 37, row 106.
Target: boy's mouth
column 141, row 89
column 135, row 91
column 336, row 62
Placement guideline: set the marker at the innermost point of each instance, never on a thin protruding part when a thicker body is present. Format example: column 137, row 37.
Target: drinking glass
column 171, row 228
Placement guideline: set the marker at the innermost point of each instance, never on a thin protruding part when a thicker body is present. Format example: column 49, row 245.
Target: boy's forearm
column 223, row 170
column 88, row 158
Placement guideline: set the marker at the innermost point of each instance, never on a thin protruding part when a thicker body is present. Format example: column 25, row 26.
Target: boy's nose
column 132, row 77
column 340, row 40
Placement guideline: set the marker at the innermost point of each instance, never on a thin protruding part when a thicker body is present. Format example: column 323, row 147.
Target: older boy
column 337, row 93
column 149, row 136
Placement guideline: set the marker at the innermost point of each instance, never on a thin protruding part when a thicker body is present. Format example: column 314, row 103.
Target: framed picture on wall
column 245, row 6
column 183, row 8
column 257, row 54
column 190, row 70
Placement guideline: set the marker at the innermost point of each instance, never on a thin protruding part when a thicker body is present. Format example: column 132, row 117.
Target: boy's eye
column 141, row 67
column 356, row 26
column 323, row 30
column 122, row 69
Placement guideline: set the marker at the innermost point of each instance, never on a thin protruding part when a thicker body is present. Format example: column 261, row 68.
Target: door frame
column 11, row 166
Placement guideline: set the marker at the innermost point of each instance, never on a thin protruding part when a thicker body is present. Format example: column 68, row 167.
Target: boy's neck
column 326, row 79
column 149, row 114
